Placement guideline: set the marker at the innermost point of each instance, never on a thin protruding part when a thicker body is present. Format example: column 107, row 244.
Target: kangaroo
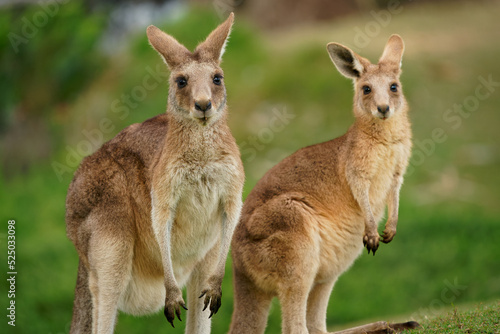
column 306, row 220
column 154, row 209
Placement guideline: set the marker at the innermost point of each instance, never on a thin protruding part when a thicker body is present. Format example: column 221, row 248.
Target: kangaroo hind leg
column 198, row 321
column 82, row 306
column 251, row 306
column 110, row 260
column 317, row 304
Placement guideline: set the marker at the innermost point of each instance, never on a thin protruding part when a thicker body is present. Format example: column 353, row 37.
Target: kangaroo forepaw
column 371, row 242
column 173, row 307
column 388, row 235
column 212, row 297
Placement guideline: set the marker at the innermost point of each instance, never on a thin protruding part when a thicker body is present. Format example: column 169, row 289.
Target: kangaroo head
column 197, row 92
column 377, row 89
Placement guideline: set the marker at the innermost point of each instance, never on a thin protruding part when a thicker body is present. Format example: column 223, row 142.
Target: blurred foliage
column 449, row 212
column 47, row 57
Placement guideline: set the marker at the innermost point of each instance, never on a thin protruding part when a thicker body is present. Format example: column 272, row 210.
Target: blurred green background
column 60, row 77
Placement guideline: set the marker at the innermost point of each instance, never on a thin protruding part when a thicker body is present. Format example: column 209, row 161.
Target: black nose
column 203, row 106
column 383, row 109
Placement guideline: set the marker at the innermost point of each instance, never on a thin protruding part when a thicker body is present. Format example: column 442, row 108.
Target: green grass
column 479, row 319
column 446, row 251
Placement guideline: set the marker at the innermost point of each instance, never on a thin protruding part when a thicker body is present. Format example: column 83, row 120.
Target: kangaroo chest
column 386, row 162
column 200, row 187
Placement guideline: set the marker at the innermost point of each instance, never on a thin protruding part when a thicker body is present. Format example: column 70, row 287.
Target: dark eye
column 217, row 79
column 181, row 82
column 394, row 87
column 366, row 90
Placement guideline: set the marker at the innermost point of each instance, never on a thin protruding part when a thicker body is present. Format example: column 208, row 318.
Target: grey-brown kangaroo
column 155, row 208
column 306, row 220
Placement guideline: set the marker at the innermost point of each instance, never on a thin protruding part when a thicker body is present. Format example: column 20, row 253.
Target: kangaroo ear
column 213, row 47
column 347, row 62
column 393, row 51
column 172, row 52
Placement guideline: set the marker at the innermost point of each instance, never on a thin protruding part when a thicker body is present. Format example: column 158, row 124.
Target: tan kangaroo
column 306, row 220
column 155, row 208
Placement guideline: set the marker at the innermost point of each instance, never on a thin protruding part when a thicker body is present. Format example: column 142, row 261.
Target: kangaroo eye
column 394, row 87
column 366, row 90
column 217, row 79
column 181, row 82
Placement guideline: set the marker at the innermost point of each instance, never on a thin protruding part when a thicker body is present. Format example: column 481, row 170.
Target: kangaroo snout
column 383, row 111
column 203, row 105
column 203, row 109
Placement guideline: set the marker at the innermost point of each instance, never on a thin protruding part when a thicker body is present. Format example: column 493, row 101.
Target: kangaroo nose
column 383, row 109
column 202, row 106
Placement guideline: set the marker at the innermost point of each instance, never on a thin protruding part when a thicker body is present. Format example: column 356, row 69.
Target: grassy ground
column 446, row 251
column 483, row 318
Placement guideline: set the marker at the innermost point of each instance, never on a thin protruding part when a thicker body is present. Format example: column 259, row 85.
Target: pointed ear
column 347, row 62
column 213, row 47
column 393, row 52
column 172, row 52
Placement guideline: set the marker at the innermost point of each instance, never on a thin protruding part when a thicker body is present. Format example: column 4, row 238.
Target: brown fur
column 305, row 221
column 154, row 209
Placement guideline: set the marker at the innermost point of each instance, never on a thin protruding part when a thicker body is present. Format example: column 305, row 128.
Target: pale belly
column 195, row 231
column 342, row 240
column 340, row 246
column 144, row 295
